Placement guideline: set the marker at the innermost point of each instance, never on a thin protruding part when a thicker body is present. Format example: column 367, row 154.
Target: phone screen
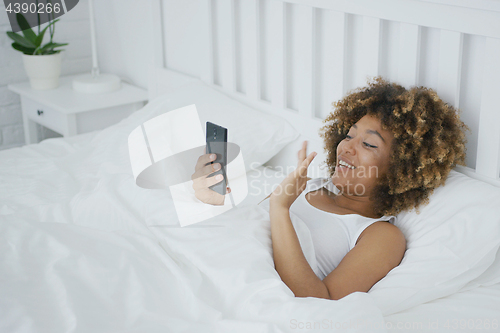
column 217, row 144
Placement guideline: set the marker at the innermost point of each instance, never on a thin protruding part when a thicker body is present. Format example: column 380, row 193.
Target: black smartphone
column 217, row 144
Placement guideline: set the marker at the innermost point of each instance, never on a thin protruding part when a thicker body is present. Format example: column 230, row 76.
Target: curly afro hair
column 429, row 140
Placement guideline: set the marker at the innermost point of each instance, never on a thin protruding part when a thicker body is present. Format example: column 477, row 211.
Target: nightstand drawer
column 43, row 115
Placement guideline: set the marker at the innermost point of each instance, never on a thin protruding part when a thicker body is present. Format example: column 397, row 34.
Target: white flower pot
column 43, row 70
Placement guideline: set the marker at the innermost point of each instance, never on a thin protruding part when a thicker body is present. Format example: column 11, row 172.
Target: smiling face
column 362, row 157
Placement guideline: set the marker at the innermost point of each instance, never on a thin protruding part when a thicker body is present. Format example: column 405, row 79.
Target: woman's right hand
column 301, row 156
column 201, row 181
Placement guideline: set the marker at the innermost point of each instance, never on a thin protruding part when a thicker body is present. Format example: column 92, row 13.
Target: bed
column 84, row 248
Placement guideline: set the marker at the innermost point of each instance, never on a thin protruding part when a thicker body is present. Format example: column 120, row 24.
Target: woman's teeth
column 346, row 165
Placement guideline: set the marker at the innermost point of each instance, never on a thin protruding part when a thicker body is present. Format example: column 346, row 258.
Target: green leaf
column 20, row 39
column 50, row 47
column 60, row 45
column 39, row 38
column 25, row 50
column 25, row 27
column 52, row 22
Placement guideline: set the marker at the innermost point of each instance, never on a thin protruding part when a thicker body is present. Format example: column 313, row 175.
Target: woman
column 387, row 149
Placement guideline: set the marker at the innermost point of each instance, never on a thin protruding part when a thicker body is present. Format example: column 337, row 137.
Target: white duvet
column 83, row 249
column 59, row 277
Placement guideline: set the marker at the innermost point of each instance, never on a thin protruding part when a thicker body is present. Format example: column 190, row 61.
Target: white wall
column 124, row 39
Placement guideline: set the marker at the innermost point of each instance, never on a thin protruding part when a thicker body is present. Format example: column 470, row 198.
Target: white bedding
column 60, row 277
column 80, row 252
column 84, row 249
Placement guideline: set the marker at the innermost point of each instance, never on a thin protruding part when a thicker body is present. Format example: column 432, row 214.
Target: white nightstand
column 68, row 112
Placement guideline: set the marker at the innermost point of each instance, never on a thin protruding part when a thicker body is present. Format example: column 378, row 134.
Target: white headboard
column 294, row 58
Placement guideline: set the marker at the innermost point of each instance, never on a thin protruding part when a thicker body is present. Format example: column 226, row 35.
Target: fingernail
column 219, row 177
column 212, row 156
column 217, row 166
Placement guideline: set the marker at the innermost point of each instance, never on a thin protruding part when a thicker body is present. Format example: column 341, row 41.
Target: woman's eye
column 369, row 145
column 348, row 136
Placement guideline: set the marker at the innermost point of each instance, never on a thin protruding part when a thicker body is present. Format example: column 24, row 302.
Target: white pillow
column 259, row 135
column 451, row 242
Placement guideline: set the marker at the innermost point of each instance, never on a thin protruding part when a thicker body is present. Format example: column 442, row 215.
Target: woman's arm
column 289, row 260
column 379, row 250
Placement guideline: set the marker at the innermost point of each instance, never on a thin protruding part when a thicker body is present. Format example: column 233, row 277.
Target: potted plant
column 42, row 62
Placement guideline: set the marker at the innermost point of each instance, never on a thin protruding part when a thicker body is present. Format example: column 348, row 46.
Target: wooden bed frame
column 293, row 58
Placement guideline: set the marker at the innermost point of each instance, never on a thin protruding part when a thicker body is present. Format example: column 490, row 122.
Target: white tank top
column 333, row 235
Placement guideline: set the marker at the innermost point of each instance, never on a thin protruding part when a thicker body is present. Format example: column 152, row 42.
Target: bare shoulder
column 383, row 230
column 387, row 238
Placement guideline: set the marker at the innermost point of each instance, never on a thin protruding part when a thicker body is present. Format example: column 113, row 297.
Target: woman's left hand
column 290, row 188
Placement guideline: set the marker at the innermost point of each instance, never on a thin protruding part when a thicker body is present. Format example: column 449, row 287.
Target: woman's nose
column 349, row 146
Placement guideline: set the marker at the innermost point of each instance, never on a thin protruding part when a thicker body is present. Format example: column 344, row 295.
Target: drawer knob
column 40, row 112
